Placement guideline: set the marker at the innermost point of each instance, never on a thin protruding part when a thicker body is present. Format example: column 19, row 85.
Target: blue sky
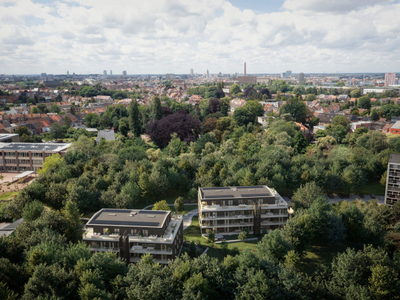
column 173, row 36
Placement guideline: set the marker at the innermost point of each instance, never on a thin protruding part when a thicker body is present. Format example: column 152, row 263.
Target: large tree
column 183, row 124
column 135, row 119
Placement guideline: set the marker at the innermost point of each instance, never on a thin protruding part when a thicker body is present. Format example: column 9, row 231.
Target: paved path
column 187, row 219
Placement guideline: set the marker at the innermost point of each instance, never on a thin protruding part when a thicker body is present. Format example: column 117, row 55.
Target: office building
column 230, row 210
column 244, row 70
column 123, row 73
column 21, row 157
column 301, row 78
column 110, row 72
column 133, row 233
column 390, row 79
column 288, row 73
column 191, row 72
column 392, row 192
column 105, row 72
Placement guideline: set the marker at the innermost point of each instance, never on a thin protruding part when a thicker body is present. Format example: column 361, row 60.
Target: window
column 145, row 232
column 116, row 230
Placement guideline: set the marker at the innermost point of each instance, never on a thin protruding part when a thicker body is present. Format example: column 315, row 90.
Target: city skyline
column 157, row 37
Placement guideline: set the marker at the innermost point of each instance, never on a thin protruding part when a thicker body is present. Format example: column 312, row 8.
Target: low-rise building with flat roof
column 21, row 157
column 132, row 233
column 230, row 210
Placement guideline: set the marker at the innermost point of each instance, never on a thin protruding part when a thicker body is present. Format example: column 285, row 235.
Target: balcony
column 151, row 250
column 272, row 215
column 228, row 217
column 226, row 225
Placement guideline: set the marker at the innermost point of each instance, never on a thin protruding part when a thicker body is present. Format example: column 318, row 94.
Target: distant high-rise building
column 110, row 72
column 244, row 71
column 191, row 72
column 208, row 73
column 105, row 72
column 67, row 73
column 288, row 73
column 283, row 75
column 124, row 73
column 390, row 79
column 392, row 194
column 301, row 77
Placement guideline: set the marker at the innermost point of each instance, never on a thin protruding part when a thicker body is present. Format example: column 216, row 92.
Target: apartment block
column 392, row 193
column 21, row 157
column 230, row 210
column 133, row 233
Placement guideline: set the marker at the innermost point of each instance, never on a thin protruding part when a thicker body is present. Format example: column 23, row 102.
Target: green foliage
column 161, row 205
column 32, row 211
column 179, row 205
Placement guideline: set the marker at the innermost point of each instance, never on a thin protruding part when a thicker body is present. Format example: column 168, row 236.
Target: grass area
column 318, row 255
column 8, row 195
column 215, row 252
column 193, row 234
column 373, row 187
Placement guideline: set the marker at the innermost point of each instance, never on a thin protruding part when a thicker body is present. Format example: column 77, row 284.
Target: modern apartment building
column 21, row 157
column 132, row 233
column 390, row 79
column 230, row 210
column 392, row 193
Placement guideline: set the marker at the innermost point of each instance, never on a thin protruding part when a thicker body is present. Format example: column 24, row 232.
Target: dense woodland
column 201, row 146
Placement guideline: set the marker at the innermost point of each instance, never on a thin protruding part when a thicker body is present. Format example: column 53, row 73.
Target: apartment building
column 392, row 193
column 133, row 233
column 230, row 210
column 21, row 157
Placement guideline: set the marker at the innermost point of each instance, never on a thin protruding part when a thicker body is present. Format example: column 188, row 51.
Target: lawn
column 8, row 195
column 318, row 255
column 193, row 234
column 373, row 187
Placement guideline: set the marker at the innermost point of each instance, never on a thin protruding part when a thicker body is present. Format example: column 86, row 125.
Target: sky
column 174, row 36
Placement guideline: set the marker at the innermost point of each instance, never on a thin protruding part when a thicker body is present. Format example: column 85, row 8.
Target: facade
column 395, row 129
column 301, row 78
column 390, row 79
column 230, row 210
column 392, row 192
column 21, row 157
column 132, row 233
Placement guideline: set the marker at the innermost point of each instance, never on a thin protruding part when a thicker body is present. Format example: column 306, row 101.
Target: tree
column 22, row 131
column 341, row 120
column 32, row 211
column 156, row 109
column 355, row 93
column 364, row 102
column 243, row 235
column 55, row 109
column 72, row 215
column 161, row 205
column 183, row 124
column 210, row 237
column 50, row 163
column 374, row 115
column 296, row 109
column 235, row 89
column 123, row 126
column 135, row 119
column 300, row 142
column 179, row 204
column 273, row 246
column 305, row 195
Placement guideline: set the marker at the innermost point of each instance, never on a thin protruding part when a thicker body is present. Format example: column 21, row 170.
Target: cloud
column 331, row 5
column 164, row 36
